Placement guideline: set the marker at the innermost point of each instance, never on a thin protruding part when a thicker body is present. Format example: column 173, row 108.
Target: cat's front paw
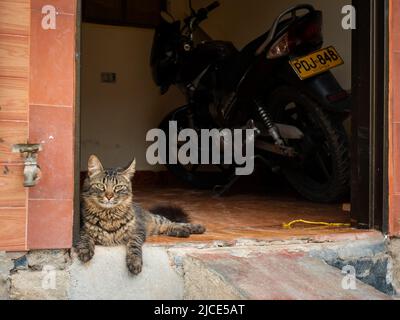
column 197, row 229
column 135, row 265
column 180, row 231
column 85, row 254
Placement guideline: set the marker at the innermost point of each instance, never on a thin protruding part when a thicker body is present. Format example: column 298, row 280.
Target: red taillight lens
column 338, row 96
column 312, row 32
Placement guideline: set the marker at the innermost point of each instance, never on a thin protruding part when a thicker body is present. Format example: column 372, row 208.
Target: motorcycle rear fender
column 323, row 88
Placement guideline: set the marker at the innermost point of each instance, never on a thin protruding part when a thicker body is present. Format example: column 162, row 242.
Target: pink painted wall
column 51, row 122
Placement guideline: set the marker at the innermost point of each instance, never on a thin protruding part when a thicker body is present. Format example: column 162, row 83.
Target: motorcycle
column 280, row 84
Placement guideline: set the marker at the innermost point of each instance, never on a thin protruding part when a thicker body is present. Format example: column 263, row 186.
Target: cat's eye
column 120, row 188
column 99, row 186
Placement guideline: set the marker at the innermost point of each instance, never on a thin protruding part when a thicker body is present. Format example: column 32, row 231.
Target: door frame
column 370, row 130
column 77, row 162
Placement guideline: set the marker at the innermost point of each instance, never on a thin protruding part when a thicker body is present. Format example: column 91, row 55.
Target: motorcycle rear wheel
column 321, row 173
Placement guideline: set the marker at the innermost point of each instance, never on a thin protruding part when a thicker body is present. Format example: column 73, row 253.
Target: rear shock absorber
column 266, row 118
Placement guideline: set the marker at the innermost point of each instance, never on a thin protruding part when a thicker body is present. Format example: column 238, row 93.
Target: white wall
column 116, row 117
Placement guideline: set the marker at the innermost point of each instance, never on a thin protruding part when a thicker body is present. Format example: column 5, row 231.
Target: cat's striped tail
column 172, row 213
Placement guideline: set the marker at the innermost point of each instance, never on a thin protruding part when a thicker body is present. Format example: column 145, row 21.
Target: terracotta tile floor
column 256, row 216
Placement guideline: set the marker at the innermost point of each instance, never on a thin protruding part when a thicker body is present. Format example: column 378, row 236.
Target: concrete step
column 106, row 277
column 230, row 274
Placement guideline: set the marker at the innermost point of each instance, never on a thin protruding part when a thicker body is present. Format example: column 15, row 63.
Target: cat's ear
column 130, row 172
column 94, row 166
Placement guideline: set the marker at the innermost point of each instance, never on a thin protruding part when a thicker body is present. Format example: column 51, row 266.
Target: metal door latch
column 32, row 171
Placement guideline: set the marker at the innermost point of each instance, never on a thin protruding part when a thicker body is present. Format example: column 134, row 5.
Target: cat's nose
column 109, row 196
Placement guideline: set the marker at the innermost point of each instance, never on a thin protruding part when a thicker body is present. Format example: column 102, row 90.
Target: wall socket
column 108, row 77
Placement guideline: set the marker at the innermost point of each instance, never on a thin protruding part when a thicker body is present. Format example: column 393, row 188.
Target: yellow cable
column 326, row 224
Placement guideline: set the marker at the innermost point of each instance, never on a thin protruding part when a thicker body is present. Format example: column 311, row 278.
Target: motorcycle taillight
column 311, row 32
column 282, row 47
column 306, row 32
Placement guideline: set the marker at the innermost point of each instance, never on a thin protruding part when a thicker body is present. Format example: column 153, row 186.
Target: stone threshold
column 169, row 272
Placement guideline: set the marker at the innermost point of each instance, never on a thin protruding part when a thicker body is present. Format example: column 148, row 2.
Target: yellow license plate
column 316, row 63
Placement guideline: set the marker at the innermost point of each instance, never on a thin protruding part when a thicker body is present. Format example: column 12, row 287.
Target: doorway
column 119, row 103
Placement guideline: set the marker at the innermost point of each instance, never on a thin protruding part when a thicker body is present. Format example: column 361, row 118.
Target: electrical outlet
column 108, row 77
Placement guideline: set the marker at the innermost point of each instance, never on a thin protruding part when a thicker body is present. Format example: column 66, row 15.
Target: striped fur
column 171, row 212
column 111, row 218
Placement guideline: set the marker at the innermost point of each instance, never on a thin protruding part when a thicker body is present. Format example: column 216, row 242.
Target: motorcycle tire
column 323, row 174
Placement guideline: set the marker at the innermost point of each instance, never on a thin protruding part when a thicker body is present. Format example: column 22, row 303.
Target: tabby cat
column 110, row 217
